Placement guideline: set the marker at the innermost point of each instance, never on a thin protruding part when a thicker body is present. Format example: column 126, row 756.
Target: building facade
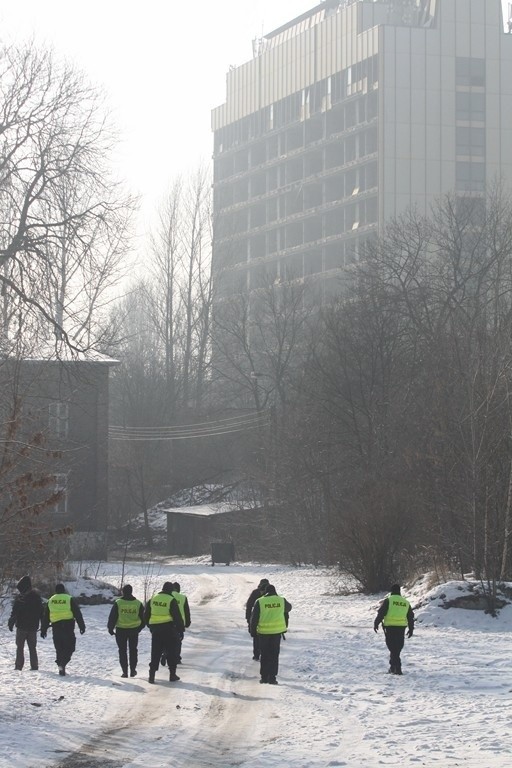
column 61, row 415
column 345, row 117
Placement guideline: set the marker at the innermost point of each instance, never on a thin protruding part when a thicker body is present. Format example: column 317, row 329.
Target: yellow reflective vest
column 59, row 607
column 180, row 599
column 160, row 608
column 128, row 613
column 271, row 619
column 398, row 608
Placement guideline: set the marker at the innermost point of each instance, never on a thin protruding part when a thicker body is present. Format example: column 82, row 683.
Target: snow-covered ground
column 335, row 704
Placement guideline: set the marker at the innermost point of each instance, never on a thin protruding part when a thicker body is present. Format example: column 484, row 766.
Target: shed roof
column 208, row 510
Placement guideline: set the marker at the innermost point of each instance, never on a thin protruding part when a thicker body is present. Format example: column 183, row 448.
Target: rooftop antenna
column 257, row 44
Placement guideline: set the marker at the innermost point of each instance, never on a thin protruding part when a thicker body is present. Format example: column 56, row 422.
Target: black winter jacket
column 27, row 611
column 255, row 594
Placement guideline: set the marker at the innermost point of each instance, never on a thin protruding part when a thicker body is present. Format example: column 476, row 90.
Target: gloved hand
column 10, row 624
column 82, row 631
column 43, row 635
column 375, row 627
column 111, row 632
column 410, row 632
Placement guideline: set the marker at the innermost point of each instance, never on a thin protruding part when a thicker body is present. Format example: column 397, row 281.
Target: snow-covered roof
column 57, row 352
column 207, row 510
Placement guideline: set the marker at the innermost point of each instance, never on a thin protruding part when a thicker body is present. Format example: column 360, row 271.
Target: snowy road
column 207, row 719
column 335, row 705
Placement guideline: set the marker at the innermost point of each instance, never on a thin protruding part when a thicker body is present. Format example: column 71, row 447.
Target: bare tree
column 179, row 296
column 63, row 217
column 447, row 280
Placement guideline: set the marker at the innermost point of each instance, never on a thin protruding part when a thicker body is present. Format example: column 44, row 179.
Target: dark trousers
column 30, row 637
column 269, row 646
column 127, row 643
column 64, row 641
column 395, row 643
column 164, row 639
column 179, row 641
column 256, row 647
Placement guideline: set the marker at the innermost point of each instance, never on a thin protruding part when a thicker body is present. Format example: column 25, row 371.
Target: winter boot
column 133, row 673
column 151, row 678
column 173, row 677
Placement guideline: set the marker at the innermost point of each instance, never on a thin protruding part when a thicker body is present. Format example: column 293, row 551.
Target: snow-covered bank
column 335, row 705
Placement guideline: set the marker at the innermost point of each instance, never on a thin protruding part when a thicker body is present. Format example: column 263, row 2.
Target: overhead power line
column 225, row 426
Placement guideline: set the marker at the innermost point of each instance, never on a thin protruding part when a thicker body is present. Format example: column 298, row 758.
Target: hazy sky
column 162, row 63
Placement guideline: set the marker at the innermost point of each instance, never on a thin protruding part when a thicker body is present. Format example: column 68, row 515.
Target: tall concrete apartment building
column 345, row 117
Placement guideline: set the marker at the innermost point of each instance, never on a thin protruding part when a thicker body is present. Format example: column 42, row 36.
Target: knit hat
column 127, row 590
column 167, row 588
column 60, row 589
column 24, row 584
column 270, row 590
column 395, row 589
column 263, row 584
column 176, row 586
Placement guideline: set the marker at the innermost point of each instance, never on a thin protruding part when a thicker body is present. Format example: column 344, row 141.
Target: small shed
column 191, row 531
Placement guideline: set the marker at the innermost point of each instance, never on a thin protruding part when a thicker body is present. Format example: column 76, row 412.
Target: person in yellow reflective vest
column 396, row 615
column 269, row 620
column 61, row 611
column 162, row 616
column 125, row 621
column 255, row 594
column 184, row 607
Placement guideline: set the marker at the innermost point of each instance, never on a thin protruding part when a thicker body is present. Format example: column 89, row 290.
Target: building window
column 371, row 176
column 59, row 419
column 61, row 486
column 470, row 72
column 470, row 141
column 313, row 262
column 371, row 210
column 470, row 106
column 471, row 209
column 334, row 255
column 470, row 177
column 272, row 244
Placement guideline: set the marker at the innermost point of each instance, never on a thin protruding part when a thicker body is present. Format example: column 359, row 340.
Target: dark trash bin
column 223, row 552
